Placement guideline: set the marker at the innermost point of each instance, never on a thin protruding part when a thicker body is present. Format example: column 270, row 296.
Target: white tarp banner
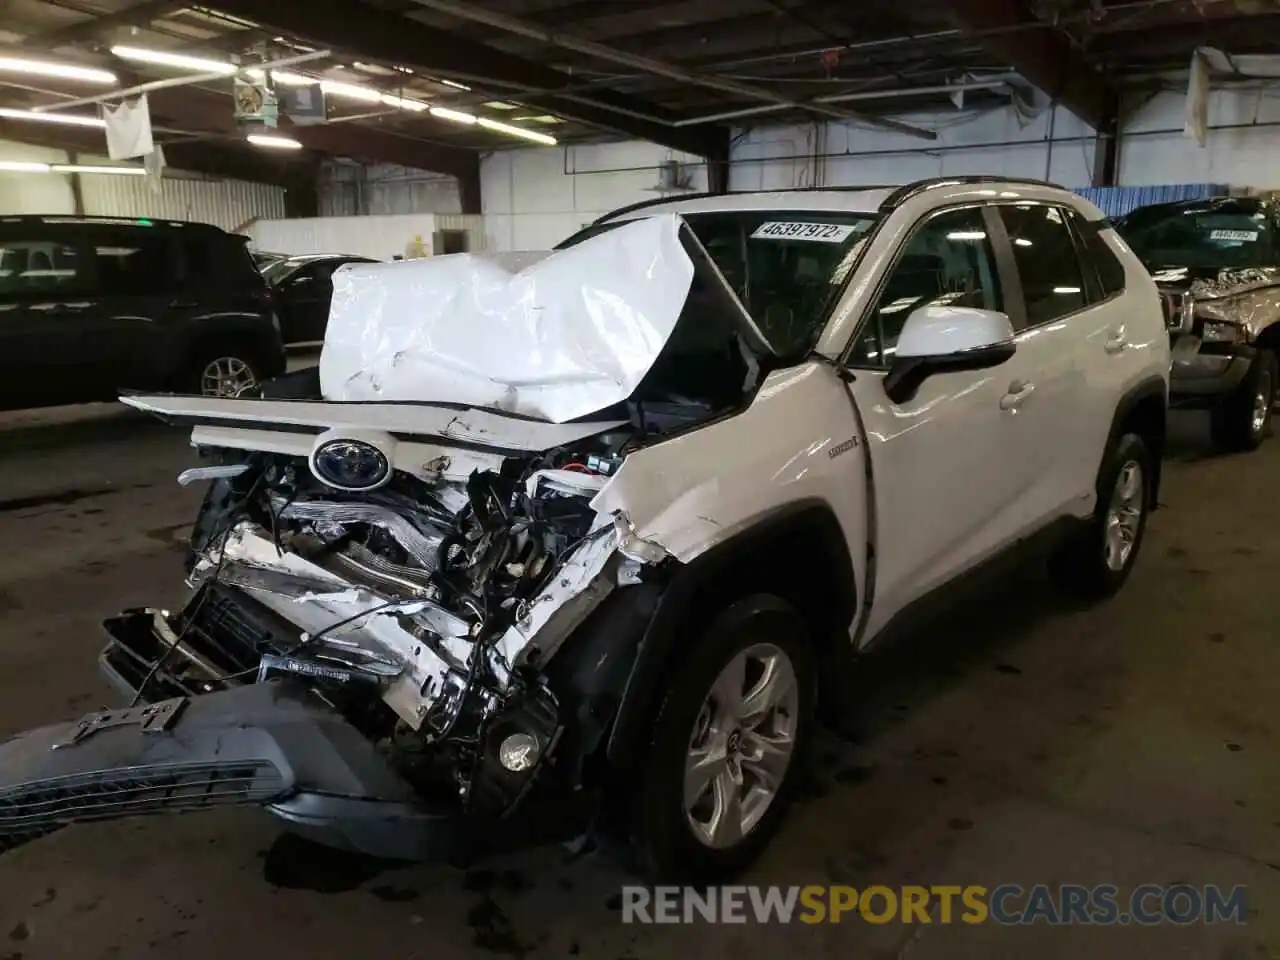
column 553, row 336
column 128, row 129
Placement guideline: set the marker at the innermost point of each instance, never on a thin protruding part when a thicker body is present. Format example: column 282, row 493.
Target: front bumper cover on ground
column 273, row 744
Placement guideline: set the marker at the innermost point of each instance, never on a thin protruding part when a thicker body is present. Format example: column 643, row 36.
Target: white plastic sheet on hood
column 554, row 337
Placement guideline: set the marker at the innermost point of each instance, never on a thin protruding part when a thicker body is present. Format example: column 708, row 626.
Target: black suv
column 1217, row 265
column 93, row 306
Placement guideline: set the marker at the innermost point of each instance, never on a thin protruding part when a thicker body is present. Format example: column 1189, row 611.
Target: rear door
column 1074, row 338
column 46, row 300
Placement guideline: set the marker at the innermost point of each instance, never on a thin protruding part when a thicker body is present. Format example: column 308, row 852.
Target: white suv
column 562, row 544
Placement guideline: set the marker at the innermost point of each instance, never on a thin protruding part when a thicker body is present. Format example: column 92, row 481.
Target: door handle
column 1019, row 390
column 1117, row 342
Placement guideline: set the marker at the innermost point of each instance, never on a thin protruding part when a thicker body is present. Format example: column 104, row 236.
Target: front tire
column 727, row 746
column 1242, row 419
column 1096, row 562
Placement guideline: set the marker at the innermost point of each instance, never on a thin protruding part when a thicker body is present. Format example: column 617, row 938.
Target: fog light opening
column 519, row 752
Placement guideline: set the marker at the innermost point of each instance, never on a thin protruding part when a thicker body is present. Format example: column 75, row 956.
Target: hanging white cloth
column 128, row 129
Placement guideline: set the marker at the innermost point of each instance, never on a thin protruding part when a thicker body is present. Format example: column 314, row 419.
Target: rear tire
column 1242, row 419
column 223, row 370
column 1095, row 563
column 696, row 841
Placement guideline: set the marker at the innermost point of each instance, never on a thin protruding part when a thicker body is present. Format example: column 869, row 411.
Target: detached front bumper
column 284, row 745
column 1202, row 372
column 274, row 745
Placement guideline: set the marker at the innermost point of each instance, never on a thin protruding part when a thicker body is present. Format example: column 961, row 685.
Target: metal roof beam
column 390, row 37
column 138, row 15
column 1045, row 57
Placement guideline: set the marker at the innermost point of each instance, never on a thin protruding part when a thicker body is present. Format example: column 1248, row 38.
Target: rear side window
column 35, row 268
column 133, row 263
column 213, row 258
column 1102, row 258
column 1045, row 253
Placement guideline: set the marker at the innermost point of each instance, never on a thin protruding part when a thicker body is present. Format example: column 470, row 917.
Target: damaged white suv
column 559, row 544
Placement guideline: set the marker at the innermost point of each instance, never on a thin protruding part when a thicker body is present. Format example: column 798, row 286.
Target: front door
column 46, row 298
column 949, row 481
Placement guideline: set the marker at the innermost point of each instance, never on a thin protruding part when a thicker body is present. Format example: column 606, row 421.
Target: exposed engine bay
column 419, row 609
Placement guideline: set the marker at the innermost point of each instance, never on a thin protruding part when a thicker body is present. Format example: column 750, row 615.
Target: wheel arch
column 1144, row 410
column 798, row 553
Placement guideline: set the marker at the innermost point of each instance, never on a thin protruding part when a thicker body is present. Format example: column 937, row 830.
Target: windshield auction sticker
column 820, row 232
column 1237, row 236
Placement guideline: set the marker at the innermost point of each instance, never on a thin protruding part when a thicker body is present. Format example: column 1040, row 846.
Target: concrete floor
column 1019, row 742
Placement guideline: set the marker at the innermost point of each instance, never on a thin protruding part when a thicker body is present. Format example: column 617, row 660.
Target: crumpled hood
column 551, row 336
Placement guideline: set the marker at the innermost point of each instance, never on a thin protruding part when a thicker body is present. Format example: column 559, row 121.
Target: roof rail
column 905, row 193
column 643, row 204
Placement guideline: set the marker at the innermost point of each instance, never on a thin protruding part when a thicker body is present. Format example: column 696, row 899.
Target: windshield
column 784, row 266
column 1224, row 236
column 278, row 270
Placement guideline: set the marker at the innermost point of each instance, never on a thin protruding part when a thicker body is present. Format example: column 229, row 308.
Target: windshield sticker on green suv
column 1238, row 236
column 821, row 232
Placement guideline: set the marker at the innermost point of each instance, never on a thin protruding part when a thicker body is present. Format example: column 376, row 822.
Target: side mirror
column 943, row 340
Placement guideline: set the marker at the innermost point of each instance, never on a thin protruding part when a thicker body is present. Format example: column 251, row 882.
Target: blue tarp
column 1117, row 201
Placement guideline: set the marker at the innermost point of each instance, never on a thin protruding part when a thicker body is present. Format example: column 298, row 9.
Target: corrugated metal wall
column 226, row 203
column 379, row 237
column 348, row 189
column 1117, row 201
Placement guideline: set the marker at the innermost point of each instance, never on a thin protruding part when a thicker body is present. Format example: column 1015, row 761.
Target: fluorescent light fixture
column 71, row 119
column 1022, row 242
column 98, row 168
column 286, row 77
column 967, row 235
column 179, row 60
column 403, row 103
column 457, row 116
column 516, row 131
column 23, row 166
column 455, row 85
column 500, row 105
column 276, row 143
column 1066, row 290
column 351, row 90
column 66, row 71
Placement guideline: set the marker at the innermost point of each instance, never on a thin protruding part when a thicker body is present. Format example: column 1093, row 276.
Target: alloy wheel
column 741, row 745
column 1124, row 515
column 227, row 377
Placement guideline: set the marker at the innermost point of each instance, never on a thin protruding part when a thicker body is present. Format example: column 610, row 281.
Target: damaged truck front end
column 411, row 621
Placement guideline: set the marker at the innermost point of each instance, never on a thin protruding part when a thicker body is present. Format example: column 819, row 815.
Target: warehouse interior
column 1018, row 741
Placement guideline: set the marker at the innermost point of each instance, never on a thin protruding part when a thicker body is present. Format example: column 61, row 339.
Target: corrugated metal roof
column 1117, row 201
column 229, row 204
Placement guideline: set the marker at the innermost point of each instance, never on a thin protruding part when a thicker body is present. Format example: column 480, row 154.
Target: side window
column 1052, row 281
column 133, row 263
column 1108, row 266
column 39, row 268
column 948, row 261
